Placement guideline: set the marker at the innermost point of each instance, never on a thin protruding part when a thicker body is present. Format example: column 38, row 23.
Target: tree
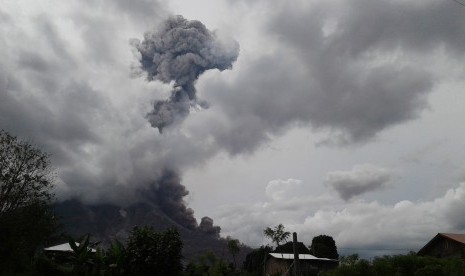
column 26, row 176
column 148, row 251
column 233, row 247
column 277, row 234
column 349, row 260
column 209, row 264
column 324, row 246
column 255, row 261
column 116, row 258
column 288, row 247
column 26, row 220
column 82, row 258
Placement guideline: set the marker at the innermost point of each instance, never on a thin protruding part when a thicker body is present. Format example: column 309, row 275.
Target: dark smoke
column 180, row 51
column 206, row 226
column 167, row 193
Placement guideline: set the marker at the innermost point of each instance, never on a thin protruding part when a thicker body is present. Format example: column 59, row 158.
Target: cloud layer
column 349, row 70
column 359, row 180
column 359, row 225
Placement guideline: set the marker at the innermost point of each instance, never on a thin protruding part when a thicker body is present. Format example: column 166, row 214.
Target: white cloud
column 282, row 189
column 356, row 224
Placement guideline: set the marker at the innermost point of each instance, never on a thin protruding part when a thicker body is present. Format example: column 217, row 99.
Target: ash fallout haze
column 330, row 117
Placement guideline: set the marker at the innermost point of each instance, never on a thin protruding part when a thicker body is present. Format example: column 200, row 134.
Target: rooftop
column 301, row 257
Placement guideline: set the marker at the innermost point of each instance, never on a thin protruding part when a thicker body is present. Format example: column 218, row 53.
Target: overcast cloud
column 359, row 180
column 359, row 224
column 318, row 87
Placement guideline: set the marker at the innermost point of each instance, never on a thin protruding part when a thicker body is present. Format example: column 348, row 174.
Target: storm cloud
column 68, row 98
column 359, row 180
column 348, row 69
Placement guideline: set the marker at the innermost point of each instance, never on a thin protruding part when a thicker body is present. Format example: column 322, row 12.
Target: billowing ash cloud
column 350, row 69
column 361, row 179
column 168, row 193
column 180, row 51
column 206, row 226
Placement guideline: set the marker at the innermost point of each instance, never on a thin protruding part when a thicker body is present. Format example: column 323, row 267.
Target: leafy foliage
column 399, row 265
column 276, row 234
column 288, row 247
column 324, row 246
column 22, row 232
column 255, row 261
column 149, row 251
column 210, row 265
column 26, row 176
column 26, row 221
column 82, row 259
column 116, row 258
column 234, row 248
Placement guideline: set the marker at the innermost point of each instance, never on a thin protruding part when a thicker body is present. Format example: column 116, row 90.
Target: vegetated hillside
column 108, row 222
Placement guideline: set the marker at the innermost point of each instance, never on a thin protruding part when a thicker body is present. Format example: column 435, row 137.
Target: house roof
column 460, row 238
column 65, row 247
column 456, row 237
column 301, row 257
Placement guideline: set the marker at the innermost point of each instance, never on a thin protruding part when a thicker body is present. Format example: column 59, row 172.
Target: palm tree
column 277, row 234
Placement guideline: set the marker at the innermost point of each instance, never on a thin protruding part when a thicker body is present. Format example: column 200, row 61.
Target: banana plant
column 82, row 258
column 116, row 258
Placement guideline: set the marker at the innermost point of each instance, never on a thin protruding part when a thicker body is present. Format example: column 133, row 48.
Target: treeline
column 398, row 265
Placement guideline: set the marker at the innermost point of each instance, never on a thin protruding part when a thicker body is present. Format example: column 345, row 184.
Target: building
column 65, row 247
column 61, row 253
column 282, row 264
column 445, row 245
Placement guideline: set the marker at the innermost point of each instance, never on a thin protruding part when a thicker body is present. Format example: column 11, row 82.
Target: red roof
column 456, row 237
column 460, row 238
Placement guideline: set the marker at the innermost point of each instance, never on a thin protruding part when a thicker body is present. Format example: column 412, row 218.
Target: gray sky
column 338, row 117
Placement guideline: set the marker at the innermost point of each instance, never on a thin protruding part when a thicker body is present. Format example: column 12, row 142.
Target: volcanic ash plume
column 168, row 193
column 180, row 51
column 206, row 226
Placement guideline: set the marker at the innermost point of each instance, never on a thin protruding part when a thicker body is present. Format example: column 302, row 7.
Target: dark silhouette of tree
column 116, row 258
column 255, row 261
column 277, row 234
column 209, row 264
column 288, row 247
column 349, row 260
column 82, row 259
column 149, row 251
column 234, row 248
column 404, row 265
column 324, row 246
column 26, row 221
column 26, row 176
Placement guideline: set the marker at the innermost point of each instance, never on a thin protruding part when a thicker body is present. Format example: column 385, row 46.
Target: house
column 61, row 253
column 282, row 264
column 65, row 247
column 445, row 245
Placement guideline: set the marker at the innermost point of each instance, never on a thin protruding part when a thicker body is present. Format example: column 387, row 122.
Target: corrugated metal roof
column 63, row 247
column 301, row 257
